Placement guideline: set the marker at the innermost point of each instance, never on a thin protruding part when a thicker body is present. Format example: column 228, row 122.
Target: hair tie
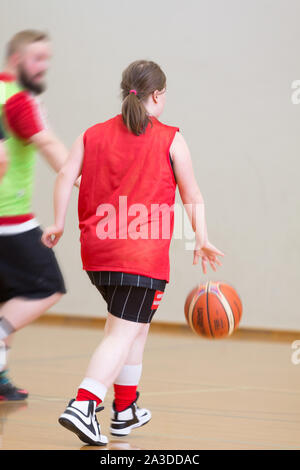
column 133, row 91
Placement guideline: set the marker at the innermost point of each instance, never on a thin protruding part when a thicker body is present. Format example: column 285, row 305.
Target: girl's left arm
column 65, row 180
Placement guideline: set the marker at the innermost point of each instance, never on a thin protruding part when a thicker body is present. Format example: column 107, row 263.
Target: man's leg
column 19, row 311
column 15, row 314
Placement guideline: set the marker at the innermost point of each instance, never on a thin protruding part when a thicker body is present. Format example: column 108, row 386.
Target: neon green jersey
column 16, row 186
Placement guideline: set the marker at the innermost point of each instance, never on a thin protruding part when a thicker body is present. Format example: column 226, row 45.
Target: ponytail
column 134, row 114
column 139, row 80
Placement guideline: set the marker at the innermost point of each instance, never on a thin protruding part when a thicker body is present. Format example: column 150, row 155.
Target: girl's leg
column 109, row 357
column 125, row 385
column 123, row 341
column 136, row 352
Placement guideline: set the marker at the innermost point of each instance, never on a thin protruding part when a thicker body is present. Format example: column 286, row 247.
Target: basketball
column 213, row 310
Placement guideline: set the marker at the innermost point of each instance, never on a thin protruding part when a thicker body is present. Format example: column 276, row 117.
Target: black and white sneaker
column 80, row 418
column 122, row 422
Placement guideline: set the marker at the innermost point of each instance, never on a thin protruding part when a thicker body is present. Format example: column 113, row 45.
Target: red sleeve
column 23, row 115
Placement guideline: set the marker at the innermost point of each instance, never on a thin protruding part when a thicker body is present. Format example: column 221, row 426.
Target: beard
column 26, row 82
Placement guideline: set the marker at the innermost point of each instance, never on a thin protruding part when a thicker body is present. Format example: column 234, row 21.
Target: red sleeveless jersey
column 126, row 199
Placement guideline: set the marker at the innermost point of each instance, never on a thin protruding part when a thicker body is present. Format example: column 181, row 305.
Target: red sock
column 83, row 395
column 124, row 396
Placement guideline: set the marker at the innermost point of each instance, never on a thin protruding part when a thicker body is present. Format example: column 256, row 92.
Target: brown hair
column 23, row 38
column 144, row 77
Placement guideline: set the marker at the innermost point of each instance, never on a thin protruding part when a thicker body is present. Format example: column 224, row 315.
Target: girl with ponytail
column 130, row 167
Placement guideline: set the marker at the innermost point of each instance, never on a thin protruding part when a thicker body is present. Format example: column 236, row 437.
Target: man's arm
column 26, row 121
column 51, row 148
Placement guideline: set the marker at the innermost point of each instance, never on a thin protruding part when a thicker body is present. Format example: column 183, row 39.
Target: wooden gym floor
column 238, row 393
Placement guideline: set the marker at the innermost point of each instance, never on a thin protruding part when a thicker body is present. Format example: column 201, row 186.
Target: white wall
column 230, row 65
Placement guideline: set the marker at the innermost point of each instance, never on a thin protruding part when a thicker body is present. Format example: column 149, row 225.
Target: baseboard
column 253, row 334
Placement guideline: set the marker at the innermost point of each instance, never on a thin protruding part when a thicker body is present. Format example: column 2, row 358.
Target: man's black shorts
column 27, row 267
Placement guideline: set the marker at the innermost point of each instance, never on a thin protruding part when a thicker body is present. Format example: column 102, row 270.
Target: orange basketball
column 213, row 309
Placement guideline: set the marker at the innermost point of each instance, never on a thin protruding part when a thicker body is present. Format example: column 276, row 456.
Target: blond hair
column 24, row 38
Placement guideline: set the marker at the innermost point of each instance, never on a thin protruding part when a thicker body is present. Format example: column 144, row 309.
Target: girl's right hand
column 208, row 253
column 49, row 232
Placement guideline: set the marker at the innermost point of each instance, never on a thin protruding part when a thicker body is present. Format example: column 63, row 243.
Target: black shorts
column 27, row 267
column 129, row 302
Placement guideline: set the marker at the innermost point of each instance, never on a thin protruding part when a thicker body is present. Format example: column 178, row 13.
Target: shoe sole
column 71, row 427
column 134, row 426
column 5, row 400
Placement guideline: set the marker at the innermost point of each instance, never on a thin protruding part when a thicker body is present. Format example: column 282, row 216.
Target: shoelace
column 100, row 408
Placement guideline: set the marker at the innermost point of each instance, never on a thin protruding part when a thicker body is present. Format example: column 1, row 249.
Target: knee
column 142, row 332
